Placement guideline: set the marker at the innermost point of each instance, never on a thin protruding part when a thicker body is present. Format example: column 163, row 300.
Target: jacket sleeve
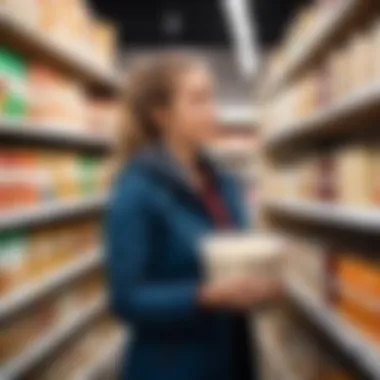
column 133, row 296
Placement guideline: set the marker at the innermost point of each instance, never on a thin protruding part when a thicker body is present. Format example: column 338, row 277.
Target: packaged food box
column 247, row 254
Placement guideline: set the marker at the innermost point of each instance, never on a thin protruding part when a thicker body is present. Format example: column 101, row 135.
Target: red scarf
column 213, row 201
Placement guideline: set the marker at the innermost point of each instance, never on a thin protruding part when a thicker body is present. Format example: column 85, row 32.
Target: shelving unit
column 31, row 293
column 327, row 30
column 53, row 134
column 335, row 121
column 334, row 229
column 50, row 212
column 63, row 68
column 356, row 348
column 363, row 219
column 46, row 345
column 32, row 42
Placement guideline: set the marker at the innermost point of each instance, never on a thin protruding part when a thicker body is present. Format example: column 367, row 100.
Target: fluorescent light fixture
column 243, row 35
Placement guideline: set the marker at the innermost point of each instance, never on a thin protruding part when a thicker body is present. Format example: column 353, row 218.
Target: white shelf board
column 321, row 37
column 54, row 132
column 354, row 344
column 326, row 121
column 19, row 31
column 236, row 117
column 50, row 211
column 366, row 219
column 30, row 293
column 38, row 350
column 230, row 151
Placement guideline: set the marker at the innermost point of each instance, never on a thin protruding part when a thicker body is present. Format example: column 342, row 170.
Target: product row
column 345, row 281
column 103, row 338
column 70, row 24
column 346, row 71
column 43, row 318
column 30, row 176
column 289, row 351
column 304, row 27
column 348, row 176
column 27, row 257
column 34, row 92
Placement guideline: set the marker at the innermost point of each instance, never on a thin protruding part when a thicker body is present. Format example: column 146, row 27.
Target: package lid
column 240, row 245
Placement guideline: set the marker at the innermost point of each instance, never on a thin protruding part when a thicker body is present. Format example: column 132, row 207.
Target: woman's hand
column 239, row 294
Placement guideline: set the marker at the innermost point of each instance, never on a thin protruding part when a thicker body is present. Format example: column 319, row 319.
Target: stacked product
column 29, row 177
column 44, row 317
column 307, row 23
column 347, row 176
column 39, row 95
column 69, row 24
column 358, row 292
column 344, row 73
column 345, row 281
column 28, row 257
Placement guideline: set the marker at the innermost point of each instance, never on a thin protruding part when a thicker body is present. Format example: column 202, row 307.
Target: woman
column 167, row 198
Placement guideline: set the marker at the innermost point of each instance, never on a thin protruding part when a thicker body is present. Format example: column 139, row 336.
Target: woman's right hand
column 239, row 294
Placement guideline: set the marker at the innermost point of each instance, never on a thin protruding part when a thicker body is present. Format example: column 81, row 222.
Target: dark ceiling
column 202, row 23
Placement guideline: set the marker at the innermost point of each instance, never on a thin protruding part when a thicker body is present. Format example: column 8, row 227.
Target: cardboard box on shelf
column 105, row 39
column 355, row 175
column 357, row 285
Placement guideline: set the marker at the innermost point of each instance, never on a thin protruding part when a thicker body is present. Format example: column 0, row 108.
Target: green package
column 13, row 72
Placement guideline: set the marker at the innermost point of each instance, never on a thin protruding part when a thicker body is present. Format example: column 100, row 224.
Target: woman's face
column 191, row 116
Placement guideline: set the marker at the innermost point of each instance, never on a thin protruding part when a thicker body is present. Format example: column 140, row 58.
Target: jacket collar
column 159, row 160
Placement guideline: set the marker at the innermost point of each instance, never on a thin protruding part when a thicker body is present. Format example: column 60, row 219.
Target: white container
column 227, row 255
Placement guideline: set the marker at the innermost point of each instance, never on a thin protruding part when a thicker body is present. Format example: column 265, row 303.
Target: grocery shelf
column 30, row 293
column 106, row 360
column 50, row 211
column 29, row 40
column 343, row 117
column 54, row 134
column 40, row 349
column 327, row 30
column 238, row 117
column 362, row 219
column 360, row 352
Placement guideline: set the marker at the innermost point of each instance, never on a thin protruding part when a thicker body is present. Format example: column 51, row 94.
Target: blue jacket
column 155, row 227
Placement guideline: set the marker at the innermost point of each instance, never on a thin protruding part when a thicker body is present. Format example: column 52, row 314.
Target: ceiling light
column 243, row 35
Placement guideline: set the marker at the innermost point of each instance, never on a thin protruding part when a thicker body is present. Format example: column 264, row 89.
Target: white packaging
column 243, row 254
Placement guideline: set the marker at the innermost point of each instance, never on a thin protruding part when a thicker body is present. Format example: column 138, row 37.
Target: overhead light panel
column 243, row 34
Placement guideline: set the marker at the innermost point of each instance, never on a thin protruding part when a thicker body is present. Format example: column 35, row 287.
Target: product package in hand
column 256, row 255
